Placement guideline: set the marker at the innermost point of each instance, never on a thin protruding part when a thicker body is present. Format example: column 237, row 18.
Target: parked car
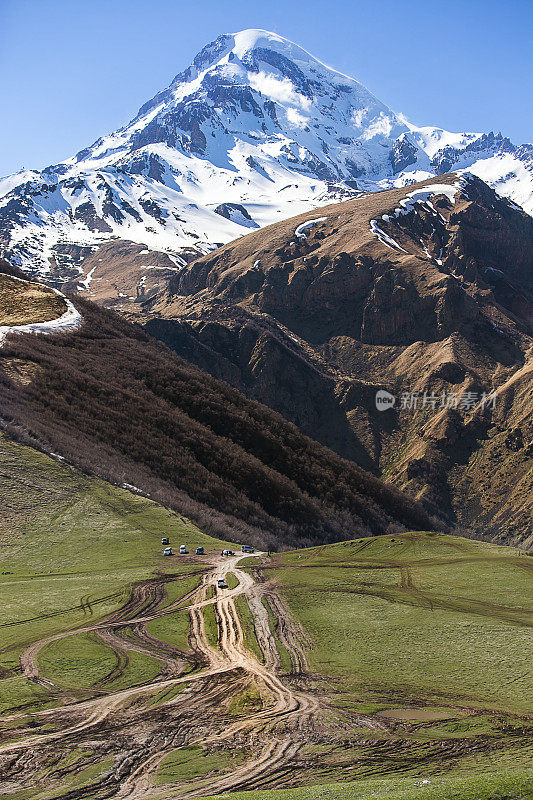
column 227, row 553
column 247, row 548
column 165, row 540
column 221, row 583
column 183, row 550
column 199, row 551
column 167, row 551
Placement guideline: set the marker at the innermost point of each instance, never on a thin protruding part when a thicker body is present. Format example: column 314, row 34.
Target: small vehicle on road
column 221, row 583
column 227, row 553
column 247, row 548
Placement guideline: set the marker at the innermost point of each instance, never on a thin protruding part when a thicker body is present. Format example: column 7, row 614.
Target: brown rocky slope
column 423, row 289
column 120, row 405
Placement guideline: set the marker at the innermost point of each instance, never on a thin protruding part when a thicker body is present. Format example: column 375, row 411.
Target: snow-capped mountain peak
column 253, row 90
column 254, row 130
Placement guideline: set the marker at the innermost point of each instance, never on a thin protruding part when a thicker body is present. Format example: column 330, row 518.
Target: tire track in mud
column 287, row 706
column 275, row 729
column 144, row 601
column 290, row 710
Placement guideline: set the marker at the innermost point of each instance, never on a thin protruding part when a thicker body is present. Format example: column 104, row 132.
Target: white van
column 167, row 551
column 183, row 550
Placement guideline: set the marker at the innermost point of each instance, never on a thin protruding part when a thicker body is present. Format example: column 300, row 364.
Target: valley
column 325, row 664
column 114, row 402
column 266, row 440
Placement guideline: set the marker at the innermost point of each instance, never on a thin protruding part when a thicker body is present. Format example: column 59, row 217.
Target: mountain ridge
column 425, row 290
column 255, row 130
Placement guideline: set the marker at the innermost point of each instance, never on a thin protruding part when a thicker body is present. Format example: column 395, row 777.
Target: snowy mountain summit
column 254, row 131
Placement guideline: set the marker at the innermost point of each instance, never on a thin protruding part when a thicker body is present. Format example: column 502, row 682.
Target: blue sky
column 73, row 70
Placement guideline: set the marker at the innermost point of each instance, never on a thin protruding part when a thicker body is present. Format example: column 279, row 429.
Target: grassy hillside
column 72, row 549
column 24, row 303
column 427, row 634
column 416, row 651
column 504, row 785
column 449, row 618
column 122, row 406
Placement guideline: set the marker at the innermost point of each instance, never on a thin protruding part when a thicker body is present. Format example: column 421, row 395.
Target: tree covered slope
column 120, row 405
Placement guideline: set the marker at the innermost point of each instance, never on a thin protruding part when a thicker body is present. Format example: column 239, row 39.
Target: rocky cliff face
column 254, row 131
column 425, row 292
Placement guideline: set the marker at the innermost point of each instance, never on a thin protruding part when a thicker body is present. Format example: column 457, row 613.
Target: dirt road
column 142, row 727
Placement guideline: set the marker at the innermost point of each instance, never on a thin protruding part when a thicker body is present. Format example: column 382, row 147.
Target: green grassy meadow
column 428, row 634
column 504, row 785
column 191, row 762
column 83, row 662
column 71, row 548
column 421, row 616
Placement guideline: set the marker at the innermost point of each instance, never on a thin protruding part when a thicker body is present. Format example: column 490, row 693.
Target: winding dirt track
column 269, row 737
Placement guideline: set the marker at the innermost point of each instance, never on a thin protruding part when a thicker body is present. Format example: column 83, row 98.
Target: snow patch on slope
column 301, row 229
column 69, row 321
column 409, row 203
column 383, row 237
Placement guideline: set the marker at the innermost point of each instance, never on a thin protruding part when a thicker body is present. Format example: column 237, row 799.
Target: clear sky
column 73, row 70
